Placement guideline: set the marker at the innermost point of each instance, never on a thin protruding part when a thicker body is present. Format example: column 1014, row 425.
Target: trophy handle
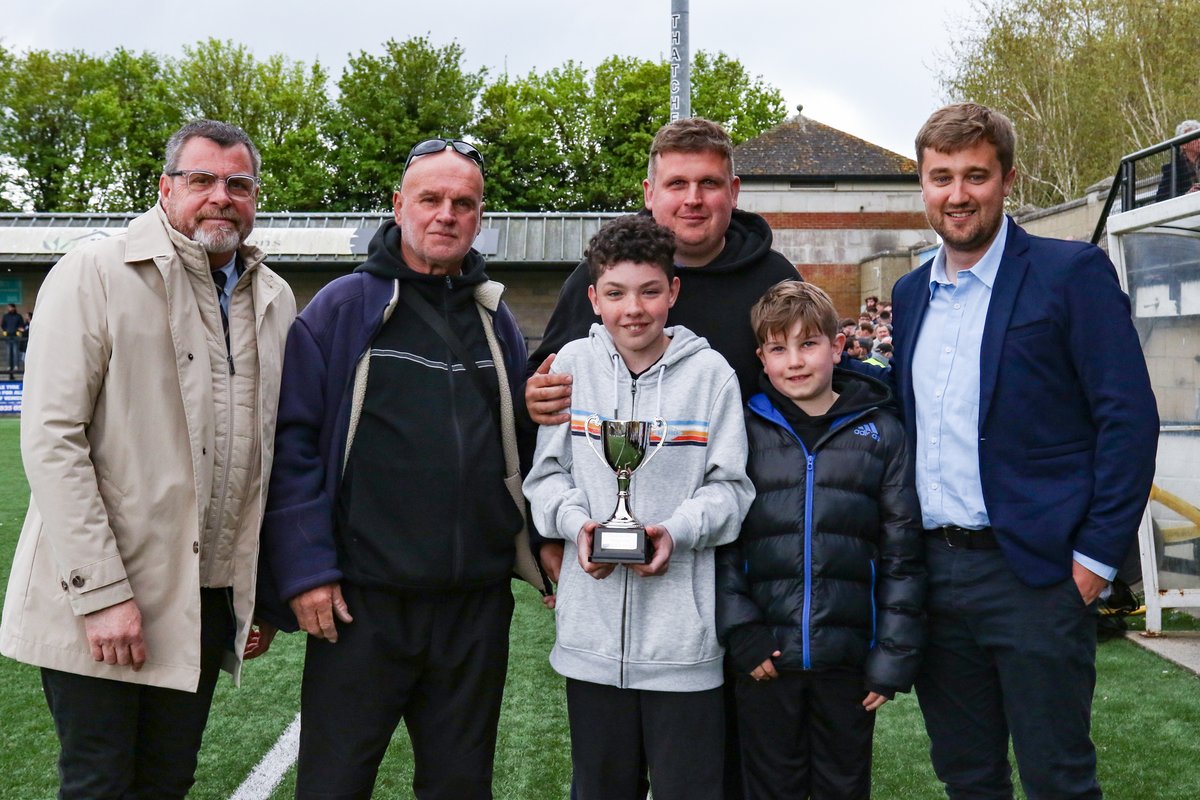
column 587, row 434
column 660, row 424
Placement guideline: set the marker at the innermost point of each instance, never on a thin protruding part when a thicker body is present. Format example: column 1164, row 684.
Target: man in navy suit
column 1026, row 394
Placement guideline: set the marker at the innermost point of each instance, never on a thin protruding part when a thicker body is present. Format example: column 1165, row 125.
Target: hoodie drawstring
column 662, row 370
column 616, row 362
column 618, row 365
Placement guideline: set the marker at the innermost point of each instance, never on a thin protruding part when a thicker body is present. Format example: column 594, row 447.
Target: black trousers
column 135, row 742
column 436, row 661
column 1006, row 659
column 617, row 733
column 805, row 735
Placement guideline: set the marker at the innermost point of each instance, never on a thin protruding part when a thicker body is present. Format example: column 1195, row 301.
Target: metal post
column 681, row 69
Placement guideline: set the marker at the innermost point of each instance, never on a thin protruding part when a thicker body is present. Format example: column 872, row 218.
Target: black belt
column 981, row 539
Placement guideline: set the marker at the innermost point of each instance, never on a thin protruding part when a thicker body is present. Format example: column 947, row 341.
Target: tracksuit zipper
column 457, row 543
column 628, row 588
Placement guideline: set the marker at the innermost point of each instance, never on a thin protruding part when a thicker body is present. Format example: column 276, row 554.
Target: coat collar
column 150, row 237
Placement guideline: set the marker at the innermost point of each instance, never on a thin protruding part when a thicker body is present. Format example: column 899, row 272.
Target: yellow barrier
column 1182, row 507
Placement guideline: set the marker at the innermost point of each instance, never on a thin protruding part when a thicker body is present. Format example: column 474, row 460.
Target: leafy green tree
column 576, row 140
column 535, row 135
column 84, row 132
column 1084, row 81
column 40, row 129
column 630, row 101
column 128, row 118
column 386, row 104
column 280, row 103
column 724, row 92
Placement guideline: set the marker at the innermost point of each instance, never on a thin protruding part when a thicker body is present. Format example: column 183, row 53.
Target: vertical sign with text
column 681, row 72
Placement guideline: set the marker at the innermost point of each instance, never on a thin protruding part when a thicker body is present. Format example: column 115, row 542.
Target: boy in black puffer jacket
column 820, row 600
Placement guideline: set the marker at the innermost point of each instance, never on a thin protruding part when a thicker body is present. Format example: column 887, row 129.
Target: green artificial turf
column 1145, row 718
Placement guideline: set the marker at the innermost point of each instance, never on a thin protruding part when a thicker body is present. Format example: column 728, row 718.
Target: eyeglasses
column 430, row 146
column 239, row 187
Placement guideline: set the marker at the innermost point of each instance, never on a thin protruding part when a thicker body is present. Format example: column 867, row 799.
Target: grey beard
column 217, row 241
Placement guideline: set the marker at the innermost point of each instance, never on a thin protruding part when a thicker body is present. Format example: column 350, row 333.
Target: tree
column 573, row 140
column 85, row 133
column 388, row 103
column 1084, row 81
column 281, row 104
column 41, row 130
column 535, row 135
column 724, row 92
column 127, row 119
column 631, row 100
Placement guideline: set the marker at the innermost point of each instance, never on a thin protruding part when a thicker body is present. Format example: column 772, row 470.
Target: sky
column 867, row 67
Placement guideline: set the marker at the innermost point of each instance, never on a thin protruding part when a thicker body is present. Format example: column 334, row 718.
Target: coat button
column 190, row 356
column 77, row 581
column 64, row 585
column 203, row 451
column 195, row 547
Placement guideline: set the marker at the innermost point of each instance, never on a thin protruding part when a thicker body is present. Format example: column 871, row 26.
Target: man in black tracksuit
column 391, row 531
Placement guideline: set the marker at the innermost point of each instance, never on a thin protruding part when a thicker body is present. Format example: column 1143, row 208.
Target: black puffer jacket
column 829, row 567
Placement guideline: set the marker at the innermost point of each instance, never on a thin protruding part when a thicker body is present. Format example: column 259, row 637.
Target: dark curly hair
column 637, row 238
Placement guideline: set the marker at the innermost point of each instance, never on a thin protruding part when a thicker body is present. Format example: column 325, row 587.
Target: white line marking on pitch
column 269, row 772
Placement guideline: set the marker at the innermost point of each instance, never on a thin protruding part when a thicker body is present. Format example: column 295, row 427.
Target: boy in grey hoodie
column 638, row 644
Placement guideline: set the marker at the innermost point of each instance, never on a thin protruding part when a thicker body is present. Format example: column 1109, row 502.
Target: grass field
column 1146, row 714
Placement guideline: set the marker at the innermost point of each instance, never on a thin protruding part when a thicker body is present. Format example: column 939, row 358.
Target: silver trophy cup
column 622, row 539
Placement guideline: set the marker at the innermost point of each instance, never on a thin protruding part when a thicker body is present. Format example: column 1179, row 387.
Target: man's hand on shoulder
column 317, row 609
column 115, row 635
column 548, row 396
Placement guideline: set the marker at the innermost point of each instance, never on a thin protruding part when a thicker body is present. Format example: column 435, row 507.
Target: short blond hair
column 792, row 301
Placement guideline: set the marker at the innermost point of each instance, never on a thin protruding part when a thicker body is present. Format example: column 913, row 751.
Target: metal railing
column 1125, row 183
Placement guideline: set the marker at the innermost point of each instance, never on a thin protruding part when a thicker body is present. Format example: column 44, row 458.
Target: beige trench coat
column 117, row 436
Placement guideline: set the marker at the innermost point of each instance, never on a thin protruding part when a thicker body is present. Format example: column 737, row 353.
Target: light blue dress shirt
column 945, row 378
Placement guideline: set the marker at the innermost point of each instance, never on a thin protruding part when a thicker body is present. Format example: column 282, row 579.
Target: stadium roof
column 315, row 240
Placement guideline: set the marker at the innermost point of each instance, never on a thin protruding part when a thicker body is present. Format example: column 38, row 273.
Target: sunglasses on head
column 430, row 146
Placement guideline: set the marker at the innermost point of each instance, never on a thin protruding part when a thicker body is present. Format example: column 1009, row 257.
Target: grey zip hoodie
column 626, row 630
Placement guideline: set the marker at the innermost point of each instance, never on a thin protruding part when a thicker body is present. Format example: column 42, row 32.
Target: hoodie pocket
column 587, row 613
column 673, row 619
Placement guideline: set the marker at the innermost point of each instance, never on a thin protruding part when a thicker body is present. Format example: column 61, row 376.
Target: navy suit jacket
column 1068, row 425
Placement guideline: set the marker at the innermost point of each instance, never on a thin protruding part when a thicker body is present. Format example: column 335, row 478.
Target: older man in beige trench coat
column 147, row 434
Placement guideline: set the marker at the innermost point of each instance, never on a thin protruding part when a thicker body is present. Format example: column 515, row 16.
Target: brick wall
column 836, row 220
column 840, row 281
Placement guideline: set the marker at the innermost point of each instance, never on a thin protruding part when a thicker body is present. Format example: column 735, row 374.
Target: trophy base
column 620, row 545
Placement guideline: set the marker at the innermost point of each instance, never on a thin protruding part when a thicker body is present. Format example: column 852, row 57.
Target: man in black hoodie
column 724, row 262
column 723, row 258
column 390, row 529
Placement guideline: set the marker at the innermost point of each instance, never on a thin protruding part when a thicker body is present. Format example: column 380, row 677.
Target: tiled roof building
column 834, row 201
